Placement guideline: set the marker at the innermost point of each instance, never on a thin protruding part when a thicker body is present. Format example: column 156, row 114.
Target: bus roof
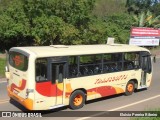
column 67, row 50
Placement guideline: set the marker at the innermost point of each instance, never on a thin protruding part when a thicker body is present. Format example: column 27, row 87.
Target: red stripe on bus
column 21, row 87
column 104, row 90
column 48, row 89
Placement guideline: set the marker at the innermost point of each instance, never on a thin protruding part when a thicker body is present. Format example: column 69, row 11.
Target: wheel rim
column 130, row 87
column 78, row 100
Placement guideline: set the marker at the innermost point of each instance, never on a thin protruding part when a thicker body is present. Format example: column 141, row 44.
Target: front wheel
column 130, row 88
column 77, row 100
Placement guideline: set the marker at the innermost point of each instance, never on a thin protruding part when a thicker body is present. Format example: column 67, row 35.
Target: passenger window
column 41, row 70
column 73, row 66
column 112, row 62
column 107, row 58
column 131, row 61
column 90, row 65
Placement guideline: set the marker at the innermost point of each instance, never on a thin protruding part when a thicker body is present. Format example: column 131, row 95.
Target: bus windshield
column 18, row 61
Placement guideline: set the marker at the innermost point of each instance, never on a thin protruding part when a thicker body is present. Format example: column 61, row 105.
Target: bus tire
column 11, row 100
column 130, row 87
column 77, row 99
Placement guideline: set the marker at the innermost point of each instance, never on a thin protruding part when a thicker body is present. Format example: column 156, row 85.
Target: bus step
column 143, row 86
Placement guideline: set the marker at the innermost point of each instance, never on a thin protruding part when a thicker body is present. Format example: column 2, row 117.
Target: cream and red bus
column 48, row 77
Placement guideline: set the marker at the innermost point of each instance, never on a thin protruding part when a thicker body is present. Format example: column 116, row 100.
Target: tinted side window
column 41, row 69
column 112, row 62
column 73, row 66
column 149, row 65
column 90, row 65
column 131, row 61
column 146, row 64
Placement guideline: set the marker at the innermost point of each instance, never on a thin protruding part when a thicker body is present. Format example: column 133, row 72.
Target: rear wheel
column 77, row 99
column 11, row 100
column 130, row 87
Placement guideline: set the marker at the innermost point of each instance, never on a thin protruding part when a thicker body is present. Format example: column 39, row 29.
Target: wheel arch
column 82, row 93
column 82, row 89
column 135, row 82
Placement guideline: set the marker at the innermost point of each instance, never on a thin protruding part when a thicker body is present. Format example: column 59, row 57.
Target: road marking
column 4, row 101
column 118, row 108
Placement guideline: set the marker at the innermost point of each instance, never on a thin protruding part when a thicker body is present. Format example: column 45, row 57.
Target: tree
column 14, row 25
column 109, row 7
column 39, row 22
column 52, row 30
column 118, row 26
column 147, row 20
column 156, row 9
column 139, row 6
column 141, row 11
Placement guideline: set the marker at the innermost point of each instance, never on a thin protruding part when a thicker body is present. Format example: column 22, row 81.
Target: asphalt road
column 139, row 101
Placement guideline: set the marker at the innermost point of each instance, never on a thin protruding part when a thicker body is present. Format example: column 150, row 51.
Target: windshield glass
column 18, row 61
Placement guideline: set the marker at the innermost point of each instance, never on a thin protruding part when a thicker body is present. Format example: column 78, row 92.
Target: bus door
column 146, row 68
column 57, row 76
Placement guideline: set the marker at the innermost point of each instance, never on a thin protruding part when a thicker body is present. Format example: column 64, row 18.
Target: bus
column 49, row 77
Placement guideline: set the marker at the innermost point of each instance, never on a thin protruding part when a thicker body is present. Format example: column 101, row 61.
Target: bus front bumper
column 27, row 103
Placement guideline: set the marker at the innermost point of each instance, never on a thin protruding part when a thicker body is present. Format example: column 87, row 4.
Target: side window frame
column 79, row 73
column 113, row 65
column 41, row 78
column 73, row 73
column 91, row 68
column 130, row 64
column 149, row 65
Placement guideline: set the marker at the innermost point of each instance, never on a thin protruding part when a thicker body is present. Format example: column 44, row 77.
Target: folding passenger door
column 146, row 68
column 57, row 74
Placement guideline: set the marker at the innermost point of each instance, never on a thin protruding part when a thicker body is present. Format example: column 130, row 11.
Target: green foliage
column 146, row 118
column 39, row 22
column 2, row 67
column 109, row 7
column 138, row 6
column 45, row 22
column 147, row 19
column 151, row 111
column 156, row 9
column 14, row 26
column 118, row 26
column 143, row 12
column 52, row 30
column 94, row 33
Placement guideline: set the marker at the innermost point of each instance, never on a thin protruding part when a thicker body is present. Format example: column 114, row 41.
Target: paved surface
column 2, row 55
column 139, row 101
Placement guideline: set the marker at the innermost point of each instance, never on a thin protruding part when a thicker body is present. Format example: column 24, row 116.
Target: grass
column 147, row 118
column 155, row 111
column 2, row 67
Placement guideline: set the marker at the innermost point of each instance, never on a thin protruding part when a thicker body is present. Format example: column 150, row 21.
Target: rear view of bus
column 17, row 77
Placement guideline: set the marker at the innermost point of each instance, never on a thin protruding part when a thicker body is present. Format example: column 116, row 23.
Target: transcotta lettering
column 110, row 79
